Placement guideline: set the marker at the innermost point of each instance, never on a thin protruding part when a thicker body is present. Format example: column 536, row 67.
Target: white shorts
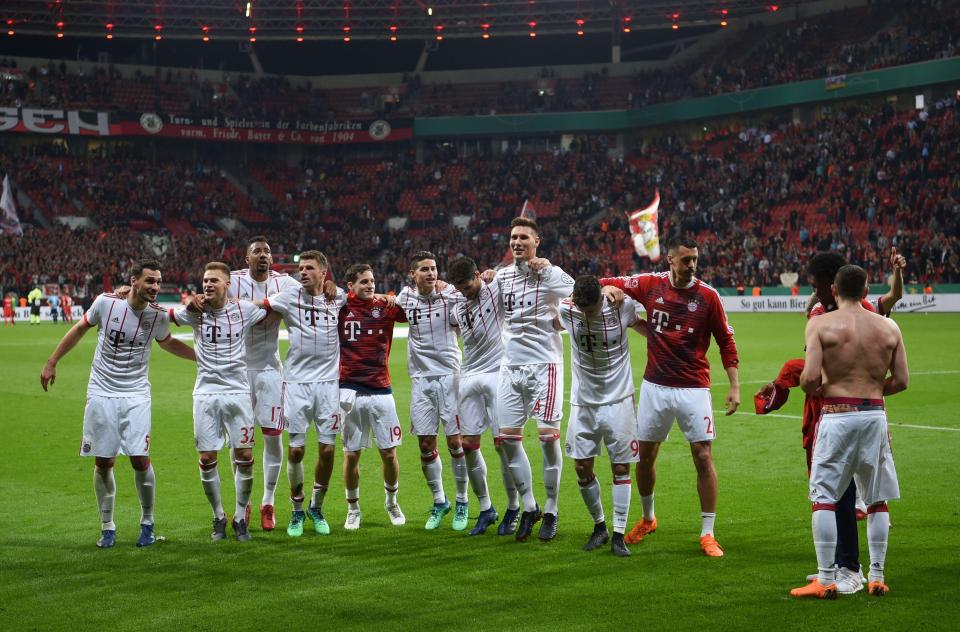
column 659, row 406
column 433, row 400
column 612, row 425
column 222, row 416
column 116, row 425
column 311, row 403
column 266, row 388
column 371, row 414
column 478, row 404
column 531, row 390
column 853, row 443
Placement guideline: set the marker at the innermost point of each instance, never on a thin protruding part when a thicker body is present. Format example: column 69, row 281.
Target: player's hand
column 329, row 289
column 766, row 391
column 195, row 304
column 48, row 375
column 733, row 401
column 613, row 294
column 897, row 261
column 389, row 299
column 123, row 291
column 539, row 264
column 487, row 275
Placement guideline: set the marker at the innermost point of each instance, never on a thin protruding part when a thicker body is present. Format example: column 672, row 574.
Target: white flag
column 644, row 230
column 9, row 222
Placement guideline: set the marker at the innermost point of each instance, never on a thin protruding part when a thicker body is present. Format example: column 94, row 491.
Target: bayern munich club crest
column 379, row 130
column 692, row 306
column 376, row 312
column 151, row 123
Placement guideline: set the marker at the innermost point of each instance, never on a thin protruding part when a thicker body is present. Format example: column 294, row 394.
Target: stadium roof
column 365, row 19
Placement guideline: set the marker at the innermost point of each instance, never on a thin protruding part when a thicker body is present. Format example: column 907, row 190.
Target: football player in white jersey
column 479, row 320
column 116, row 419
column 531, row 372
column 255, row 283
column 311, row 387
column 433, row 362
column 221, row 395
column 601, row 402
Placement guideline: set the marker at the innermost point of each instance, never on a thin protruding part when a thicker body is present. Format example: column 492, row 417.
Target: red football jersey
column 8, row 305
column 680, row 323
column 366, row 332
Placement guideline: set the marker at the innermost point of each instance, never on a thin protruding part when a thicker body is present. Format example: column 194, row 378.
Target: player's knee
column 104, row 463
column 243, row 454
column 471, row 443
column 389, row 455
column 140, row 463
column 584, row 468
column 878, row 507
column 620, row 469
column 427, row 443
column 549, row 435
column 454, row 443
column 325, row 451
column 295, row 454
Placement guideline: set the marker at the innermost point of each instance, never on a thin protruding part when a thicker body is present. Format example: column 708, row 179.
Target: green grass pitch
column 52, row 577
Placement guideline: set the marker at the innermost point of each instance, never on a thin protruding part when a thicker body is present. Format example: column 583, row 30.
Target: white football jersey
column 314, row 354
column 124, row 341
column 219, row 340
column 480, row 321
column 600, row 352
column 262, row 349
column 529, row 304
column 432, row 347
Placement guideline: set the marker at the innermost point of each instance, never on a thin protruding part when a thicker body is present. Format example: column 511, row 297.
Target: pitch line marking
column 892, row 423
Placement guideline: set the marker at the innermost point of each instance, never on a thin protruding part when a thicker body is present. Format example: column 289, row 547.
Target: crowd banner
column 773, row 304
column 209, row 128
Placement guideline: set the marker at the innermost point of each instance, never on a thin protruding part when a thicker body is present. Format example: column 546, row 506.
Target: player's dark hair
column 144, row 264
column 354, row 272
column 824, row 266
column 317, row 256
column 460, row 270
column 525, row 221
column 219, row 266
column 681, row 240
column 257, row 239
column 586, row 291
column 420, row 256
column 851, row 281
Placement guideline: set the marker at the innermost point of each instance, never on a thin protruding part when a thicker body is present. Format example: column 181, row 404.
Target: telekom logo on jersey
column 353, row 329
column 660, row 319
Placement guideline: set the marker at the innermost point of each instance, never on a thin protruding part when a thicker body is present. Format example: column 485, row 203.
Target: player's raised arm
column 811, row 379
column 48, row 375
column 886, row 303
column 899, row 372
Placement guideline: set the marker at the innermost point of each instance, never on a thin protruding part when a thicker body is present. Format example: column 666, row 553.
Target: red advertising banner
column 215, row 128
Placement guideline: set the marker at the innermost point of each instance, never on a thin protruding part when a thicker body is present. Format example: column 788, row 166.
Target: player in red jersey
column 66, row 303
column 683, row 312
column 822, row 270
column 366, row 397
column 8, row 317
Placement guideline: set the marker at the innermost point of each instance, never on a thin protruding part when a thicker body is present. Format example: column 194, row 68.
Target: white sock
column 706, row 523
column 390, row 494
column 646, row 505
column 520, row 468
column 210, row 478
column 477, row 471
column 878, row 529
column 513, row 498
column 825, row 542
column 353, row 499
column 590, row 490
column 295, row 476
column 459, row 464
column 272, row 461
column 552, row 468
column 319, row 493
column 105, row 487
column 433, row 472
column 244, row 485
column 621, row 502
column 146, row 482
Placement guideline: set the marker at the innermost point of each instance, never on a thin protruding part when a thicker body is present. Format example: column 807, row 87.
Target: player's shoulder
column 156, row 307
column 708, row 289
column 242, row 272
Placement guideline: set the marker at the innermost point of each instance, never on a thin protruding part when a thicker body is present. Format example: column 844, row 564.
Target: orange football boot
column 267, row 519
column 817, row 590
column 877, row 589
column 640, row 530
column 710, row 546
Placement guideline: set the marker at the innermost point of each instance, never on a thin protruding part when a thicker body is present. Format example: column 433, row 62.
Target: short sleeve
column 162, row 329
column 628, row 311
column 92, row 315
column 183, row 316
column 282, row 301
column 558, row 282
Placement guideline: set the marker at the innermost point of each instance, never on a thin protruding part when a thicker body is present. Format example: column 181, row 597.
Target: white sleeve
column 281, row 301
column 252, row 315
column 183, row 316
column 162, row 331
column 92, row 316
column 558, row 282
column 628, row 311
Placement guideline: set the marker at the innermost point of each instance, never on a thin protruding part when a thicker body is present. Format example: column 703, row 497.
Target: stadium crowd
column 759, row 200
